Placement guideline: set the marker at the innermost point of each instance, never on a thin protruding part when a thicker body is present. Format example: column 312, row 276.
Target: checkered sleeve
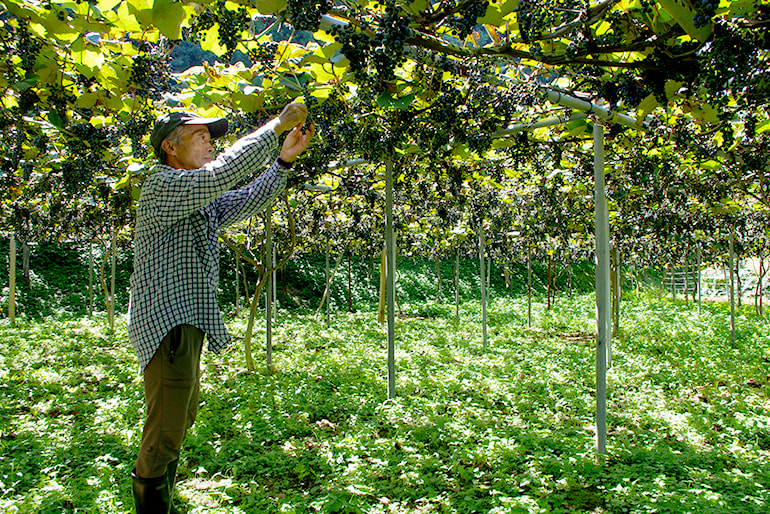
column 240, row 204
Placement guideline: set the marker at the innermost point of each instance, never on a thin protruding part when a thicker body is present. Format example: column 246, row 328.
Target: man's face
column 194, row 151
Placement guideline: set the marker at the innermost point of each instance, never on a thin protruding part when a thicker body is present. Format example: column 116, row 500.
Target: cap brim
column 217, row 126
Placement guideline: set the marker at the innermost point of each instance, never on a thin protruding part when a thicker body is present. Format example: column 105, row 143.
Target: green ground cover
column 503, row 430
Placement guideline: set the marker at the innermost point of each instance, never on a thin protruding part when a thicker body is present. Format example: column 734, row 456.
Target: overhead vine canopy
column 81, row 82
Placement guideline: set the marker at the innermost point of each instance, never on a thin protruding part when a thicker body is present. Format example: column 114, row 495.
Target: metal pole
column 529, row 285
column 274, row 283
column 90, row 279
column 603, row 301
column 587, row 107
column 547, row 122
column 483, row 277
column 457, row 286
column 237, row 283
column 269, row 287
column 673, row 280
column 390, row 277
column 12, row 281
column 732, row 283
column 700, row 278
column 114, row 251
column 328, row 284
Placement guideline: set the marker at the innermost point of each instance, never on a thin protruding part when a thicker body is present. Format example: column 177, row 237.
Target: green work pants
column 171, row 387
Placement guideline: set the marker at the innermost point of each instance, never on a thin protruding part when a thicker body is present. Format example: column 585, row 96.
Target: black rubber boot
column 171, row 474
column 151, row 495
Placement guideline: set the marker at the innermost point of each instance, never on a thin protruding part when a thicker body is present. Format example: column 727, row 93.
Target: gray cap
column 168, row 122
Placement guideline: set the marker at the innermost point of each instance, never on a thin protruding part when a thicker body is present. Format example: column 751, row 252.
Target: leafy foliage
column 440, row 84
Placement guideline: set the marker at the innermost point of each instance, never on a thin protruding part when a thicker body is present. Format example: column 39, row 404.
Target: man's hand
column 292, row 115
column 296, row 141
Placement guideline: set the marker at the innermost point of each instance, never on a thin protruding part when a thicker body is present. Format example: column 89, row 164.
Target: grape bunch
column 647, row 6
column 311, row 103
column 86, row 146
column 338, row 136
column 479, row 140
column 377, row 141
column 381, row 54
column 18, row 43
column 522, row 150
column 444, row 120
column 200, row 23
column 536, row 16
column 85, row 138
column 41, row 142
column 456, row 179
column 683, row 136
column 264, row 56
column 389, row 41
column 231, row 24
column 731, row 60
column 356, row 46
column 19, row 138
column 60, row 100
column 463, row 22
column 663, row 67
column 340, row 132
column 150, row 74
column 306, row 14
column 26, row 170
column 135, row 128
column 28, row 101
column 77, row 175
column 704, row 11
column 626, row 90
column 750, row 126
column 27, row 47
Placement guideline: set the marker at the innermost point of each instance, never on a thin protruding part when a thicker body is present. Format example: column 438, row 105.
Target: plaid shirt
column 176, row 246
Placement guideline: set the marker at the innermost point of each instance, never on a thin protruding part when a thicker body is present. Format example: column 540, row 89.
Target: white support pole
column 457, row 286
column 237, row 282
column 328, row 283
column 700, row 277
column 25, row 260
column 731, row 264
column 269, row 287
column 114, row 252
column 391, row 274
column 603, row 301
column 546, row 122
column 90, row 279
column 345, row 164
column 587, row 107
column 529, row 285
column 483, row 281
column 12, row 281
column 274, row 282
column 490, row 263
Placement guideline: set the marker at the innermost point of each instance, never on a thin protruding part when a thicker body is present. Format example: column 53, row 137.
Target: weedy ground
column 504, row 429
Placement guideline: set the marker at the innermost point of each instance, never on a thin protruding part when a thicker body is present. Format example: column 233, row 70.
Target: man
column 176, row 270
